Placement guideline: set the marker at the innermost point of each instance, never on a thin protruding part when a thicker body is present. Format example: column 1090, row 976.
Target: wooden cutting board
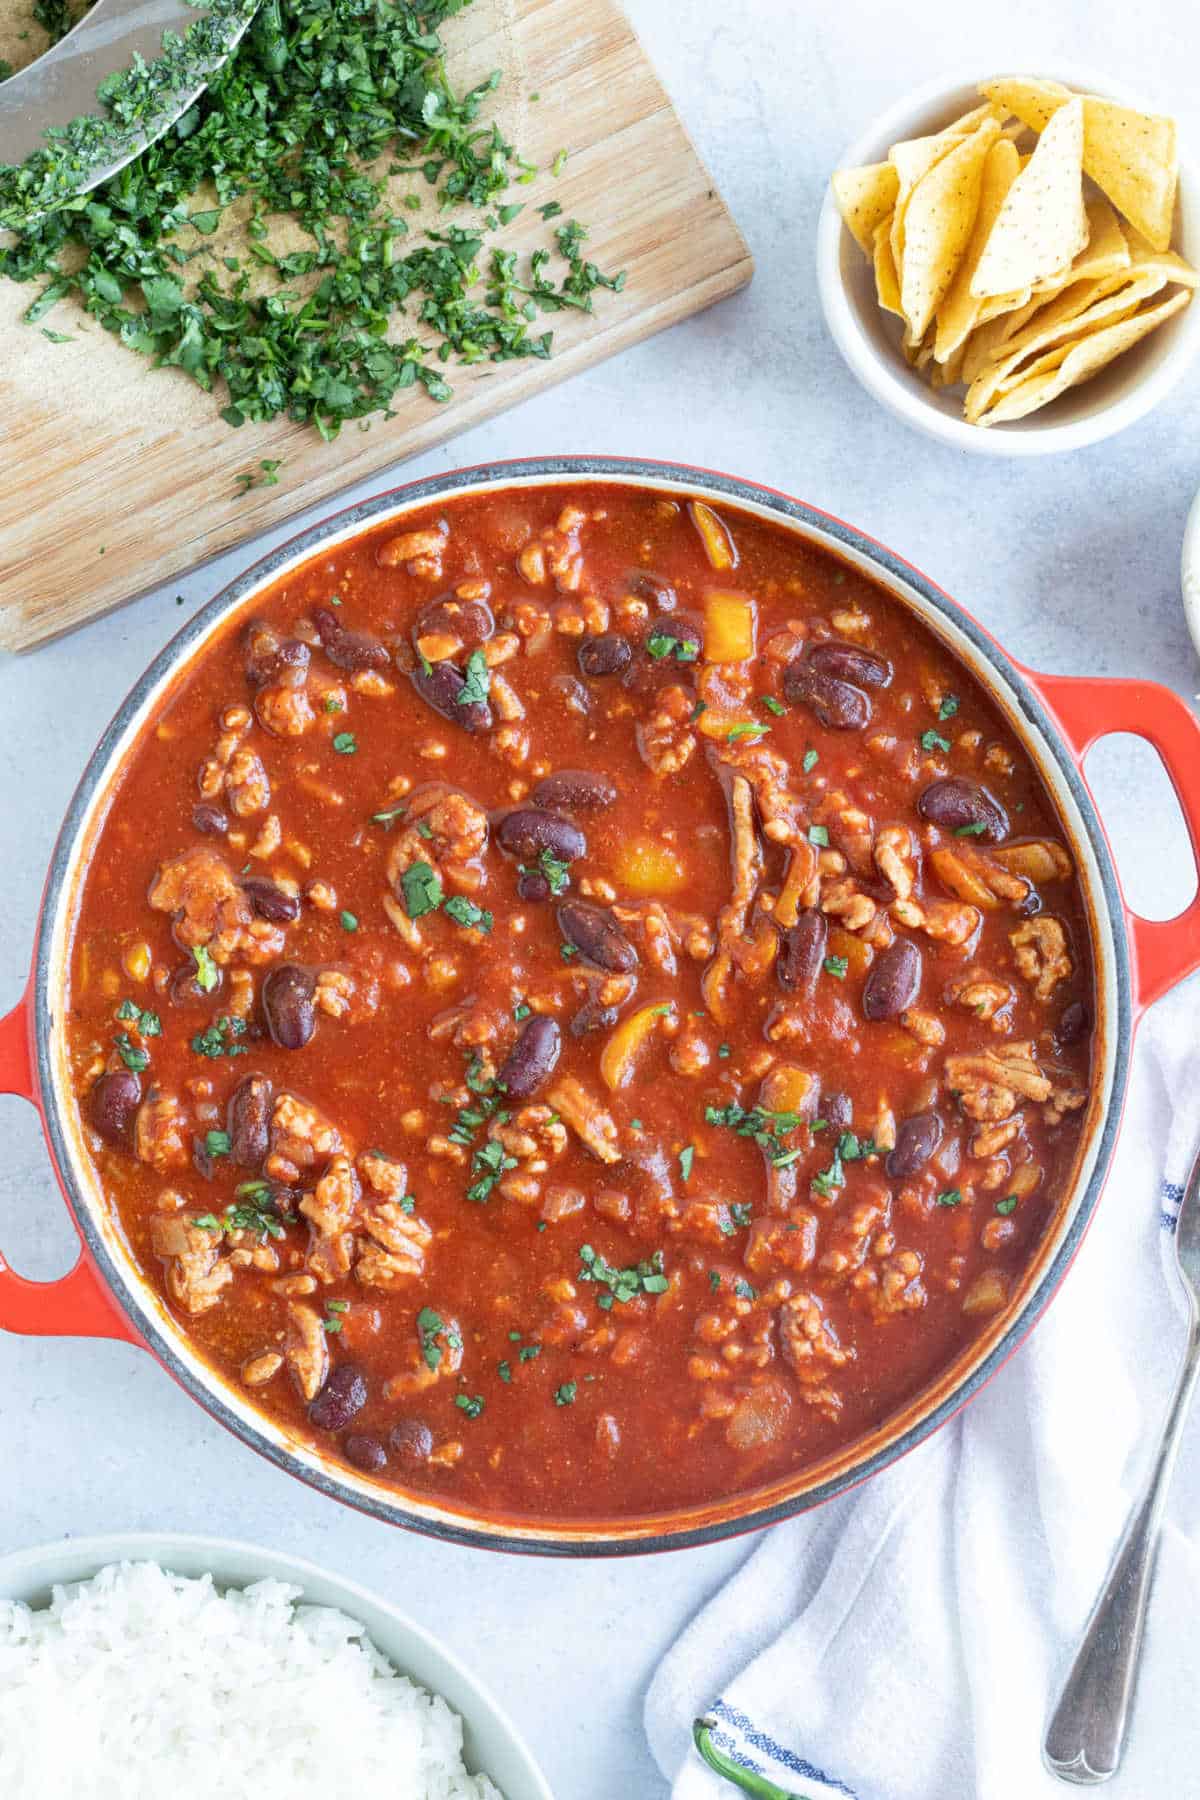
column 115, row 477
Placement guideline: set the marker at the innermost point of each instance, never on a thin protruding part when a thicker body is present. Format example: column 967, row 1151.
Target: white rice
column 142, row 1685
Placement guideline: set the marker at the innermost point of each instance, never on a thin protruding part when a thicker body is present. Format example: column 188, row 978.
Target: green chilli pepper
column 746, row 1779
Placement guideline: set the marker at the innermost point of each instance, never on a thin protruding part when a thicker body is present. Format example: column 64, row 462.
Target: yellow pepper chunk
column 729, row 627
column 858, row 956
column 714, row 534
column 645, row 869
column 620, row 1055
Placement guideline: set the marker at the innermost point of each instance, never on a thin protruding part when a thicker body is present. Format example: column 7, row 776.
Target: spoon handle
column 1086, row 1733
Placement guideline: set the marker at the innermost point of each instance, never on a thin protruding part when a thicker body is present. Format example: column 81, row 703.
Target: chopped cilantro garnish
column 131, row 1054
column 349, row 922
column 664, row 643
column 333, row 703
column 565, row 1395
column 809, row 761
column 837, row 966
column 950, row 1197
column 622, row 1285
column 207, row 973
column 475, row 689
column 217, row 1143
column 1007, row 1205
column 772, row 705
column 520, row 1012
column 435, row 1337
column 931, row 741
column 714, row 1280
column 976, row 829
column 819, row 835
column 471, row 1404
column 219, row 1039
column 744, row 1291
column 686, row 1158
column 422, row 889
column 345, row 743
column 949, row 707
column 465, row 912
column 148, row 1023
column 504, row 1371
column 528, row 1352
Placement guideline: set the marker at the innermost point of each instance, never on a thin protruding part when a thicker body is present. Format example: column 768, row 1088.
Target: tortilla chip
column 959, row 309
column 887, row 282
column 941, row 214
column 1034, row 102
column 1105, row 254
column 1085, row 359
column 1162, row 262
column 947, row 374
column 1066, row 321
column 912, row 159
column 1042, row 225
column 1131, row 156
column 865, row 196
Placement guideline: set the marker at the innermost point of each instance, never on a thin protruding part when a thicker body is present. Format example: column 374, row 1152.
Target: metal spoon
column 1086, row 1734
column 61, row 85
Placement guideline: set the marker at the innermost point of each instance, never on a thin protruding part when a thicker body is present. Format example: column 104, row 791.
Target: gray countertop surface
column 1073, row 563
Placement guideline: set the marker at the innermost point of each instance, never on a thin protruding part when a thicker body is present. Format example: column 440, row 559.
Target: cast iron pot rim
column 517, row 472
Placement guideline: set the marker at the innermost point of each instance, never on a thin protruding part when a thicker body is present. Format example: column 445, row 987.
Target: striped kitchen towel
column 906, row 1641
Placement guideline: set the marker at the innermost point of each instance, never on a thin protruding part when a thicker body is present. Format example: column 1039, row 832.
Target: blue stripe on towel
column 1172, row 1193
column 798, row 1765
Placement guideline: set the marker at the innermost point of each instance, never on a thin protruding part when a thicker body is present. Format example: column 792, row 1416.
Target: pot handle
column 77, row 1305
column 1088, row 708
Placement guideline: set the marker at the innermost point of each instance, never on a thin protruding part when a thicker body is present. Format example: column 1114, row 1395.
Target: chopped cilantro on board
column 329, row 122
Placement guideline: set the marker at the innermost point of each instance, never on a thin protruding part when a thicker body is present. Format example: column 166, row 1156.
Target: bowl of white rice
column 174, row 1668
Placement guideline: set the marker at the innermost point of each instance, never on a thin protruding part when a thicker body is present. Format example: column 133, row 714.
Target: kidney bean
column 838, row 705
column 597, row 936
column 287, row 1000
column 209, row 819
column 532, row 1058
column 411, row 1439
column 346, row 649
column 113, row 1103
column 344, row 1395
column 605, row 655
column 272, row 903
column 274, row 661
column 366, row 1453
column 470, row 621
column 688, row 636
column 203, row 1160
column 959, row 804
column 575, row 790
column 573, row 693
column 801, row 952
column 440, row 689
column 533, row 885
column 653, row 588
column 893, row 980
column 593, row 1017
column 837, row 1110
column 248, row 1121
column 1073, row 1024
column 916, row 1140
column 530, row 830
column 850, row 663
column 184, row 988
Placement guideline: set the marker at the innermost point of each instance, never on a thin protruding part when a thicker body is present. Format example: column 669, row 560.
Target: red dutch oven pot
column 1057, row 717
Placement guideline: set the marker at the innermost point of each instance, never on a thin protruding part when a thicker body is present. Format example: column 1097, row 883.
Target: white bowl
column 869, row 338
column 1191, row 572
column 491, row 1743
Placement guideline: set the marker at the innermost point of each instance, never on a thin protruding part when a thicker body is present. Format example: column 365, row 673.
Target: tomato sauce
column 581, row 1004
